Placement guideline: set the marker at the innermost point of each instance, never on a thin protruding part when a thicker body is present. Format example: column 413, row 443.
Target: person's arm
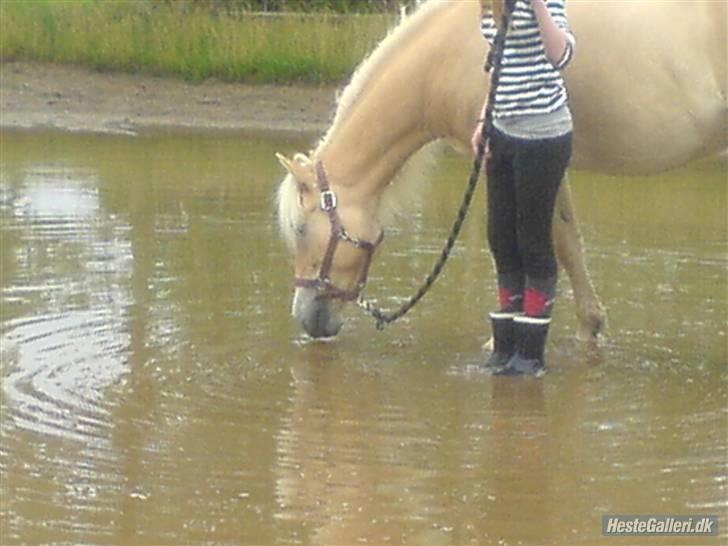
column 557, row 39
column 488, row 28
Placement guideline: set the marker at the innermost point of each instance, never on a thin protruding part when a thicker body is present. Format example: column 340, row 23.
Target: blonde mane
column 289, row 212
column 363, row 74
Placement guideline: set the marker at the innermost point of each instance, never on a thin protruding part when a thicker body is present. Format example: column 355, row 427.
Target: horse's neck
column 383, row 130
column 401, row 106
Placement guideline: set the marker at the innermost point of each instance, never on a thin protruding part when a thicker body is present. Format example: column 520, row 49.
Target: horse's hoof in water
column 593, row 327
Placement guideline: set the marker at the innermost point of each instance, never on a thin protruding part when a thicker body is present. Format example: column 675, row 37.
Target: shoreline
column 40, row 96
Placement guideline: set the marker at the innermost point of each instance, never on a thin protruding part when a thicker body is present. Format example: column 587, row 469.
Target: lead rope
column 493, row 65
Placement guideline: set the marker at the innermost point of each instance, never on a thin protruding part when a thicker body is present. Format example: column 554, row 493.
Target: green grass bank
column 190, row 40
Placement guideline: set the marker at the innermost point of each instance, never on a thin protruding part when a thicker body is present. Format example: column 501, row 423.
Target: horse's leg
column 568, row 244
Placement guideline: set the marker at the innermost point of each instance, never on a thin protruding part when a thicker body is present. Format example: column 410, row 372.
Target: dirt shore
column 70, row 98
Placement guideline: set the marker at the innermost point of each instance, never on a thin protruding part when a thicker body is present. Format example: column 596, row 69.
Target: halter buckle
column 328, row 200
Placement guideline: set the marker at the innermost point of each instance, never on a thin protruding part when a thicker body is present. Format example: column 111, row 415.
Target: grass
column 179, row 39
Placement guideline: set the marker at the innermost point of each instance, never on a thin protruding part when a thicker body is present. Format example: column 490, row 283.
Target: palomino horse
column 648, row 93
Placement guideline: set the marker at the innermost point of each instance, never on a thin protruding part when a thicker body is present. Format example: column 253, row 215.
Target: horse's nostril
column 318, row 321
column 321, row 321
column 317, row 316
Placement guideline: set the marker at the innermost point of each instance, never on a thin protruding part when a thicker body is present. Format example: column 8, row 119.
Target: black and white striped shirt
column 529, row 84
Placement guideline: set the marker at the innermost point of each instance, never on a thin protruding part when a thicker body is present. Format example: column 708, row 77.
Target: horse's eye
column 301, row 230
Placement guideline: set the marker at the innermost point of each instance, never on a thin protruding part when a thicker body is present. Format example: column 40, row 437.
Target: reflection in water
column 336, row 470
column 155, row 390
column 519, row 444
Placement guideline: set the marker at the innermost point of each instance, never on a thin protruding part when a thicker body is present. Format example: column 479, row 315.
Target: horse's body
column 647, row 88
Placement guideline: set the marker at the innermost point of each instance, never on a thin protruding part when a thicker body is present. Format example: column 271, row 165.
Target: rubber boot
column 504, row 340
column 531, row 334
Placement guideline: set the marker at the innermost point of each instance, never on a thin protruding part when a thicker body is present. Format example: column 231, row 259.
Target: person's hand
column 477, row 138
column 497, row 10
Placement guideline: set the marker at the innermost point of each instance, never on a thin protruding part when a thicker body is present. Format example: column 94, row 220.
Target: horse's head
column 333, row 236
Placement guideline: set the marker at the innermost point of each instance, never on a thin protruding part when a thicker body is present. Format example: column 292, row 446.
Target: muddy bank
column 71, row 98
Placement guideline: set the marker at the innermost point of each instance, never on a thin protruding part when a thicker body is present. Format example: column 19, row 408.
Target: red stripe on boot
column 504, row 297
column 535, row 302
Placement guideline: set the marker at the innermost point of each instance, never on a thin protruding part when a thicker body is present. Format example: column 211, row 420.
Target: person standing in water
column 527, row 153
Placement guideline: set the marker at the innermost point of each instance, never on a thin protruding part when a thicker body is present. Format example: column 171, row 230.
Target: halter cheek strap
column 322, row 283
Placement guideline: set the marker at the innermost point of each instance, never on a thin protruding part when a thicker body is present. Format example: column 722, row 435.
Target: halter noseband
column 322, row 283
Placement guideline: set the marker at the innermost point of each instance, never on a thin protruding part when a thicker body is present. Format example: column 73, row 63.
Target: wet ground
column 156, row 391
column 43, row 96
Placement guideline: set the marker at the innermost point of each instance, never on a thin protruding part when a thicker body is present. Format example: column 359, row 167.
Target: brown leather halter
column 322, row 283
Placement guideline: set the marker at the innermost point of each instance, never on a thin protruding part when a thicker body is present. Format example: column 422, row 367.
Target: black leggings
column 523, row 180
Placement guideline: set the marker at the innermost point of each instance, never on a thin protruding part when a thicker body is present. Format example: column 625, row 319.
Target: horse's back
column 648, row 84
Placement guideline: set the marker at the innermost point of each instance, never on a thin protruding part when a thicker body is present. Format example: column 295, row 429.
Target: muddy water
column 155, row 391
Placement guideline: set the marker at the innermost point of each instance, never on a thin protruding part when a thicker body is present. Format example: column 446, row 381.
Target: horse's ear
column 301, row 168
column 287, row 163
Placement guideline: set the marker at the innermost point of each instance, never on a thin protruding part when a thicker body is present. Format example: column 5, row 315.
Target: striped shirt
column 529, row 84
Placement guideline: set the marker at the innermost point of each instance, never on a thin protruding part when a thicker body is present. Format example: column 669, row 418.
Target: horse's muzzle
column 318, row 316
